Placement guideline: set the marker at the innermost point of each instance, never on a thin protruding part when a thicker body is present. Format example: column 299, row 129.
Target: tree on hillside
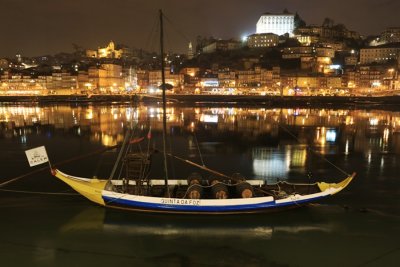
column 328, row 22
column 298, row 21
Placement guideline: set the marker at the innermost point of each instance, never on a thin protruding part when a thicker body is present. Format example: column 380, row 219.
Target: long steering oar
column 199, row 166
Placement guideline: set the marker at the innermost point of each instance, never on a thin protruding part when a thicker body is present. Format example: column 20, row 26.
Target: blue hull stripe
column 193, row 208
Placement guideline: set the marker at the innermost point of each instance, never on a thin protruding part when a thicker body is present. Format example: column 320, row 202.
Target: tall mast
column 163, row 87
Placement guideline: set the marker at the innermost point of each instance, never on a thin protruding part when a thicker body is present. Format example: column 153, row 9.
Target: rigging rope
column 308, row 146
column 176, row 29
column 152, row 36
column 313, row 151
column 198, row 148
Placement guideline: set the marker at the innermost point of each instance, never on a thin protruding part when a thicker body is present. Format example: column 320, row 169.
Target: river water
column 44, row 223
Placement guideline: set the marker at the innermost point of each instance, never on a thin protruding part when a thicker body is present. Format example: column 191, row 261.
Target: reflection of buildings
column 340, row 131
column 275, row 163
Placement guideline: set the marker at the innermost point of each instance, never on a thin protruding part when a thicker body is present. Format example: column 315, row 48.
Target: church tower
column 190, row 51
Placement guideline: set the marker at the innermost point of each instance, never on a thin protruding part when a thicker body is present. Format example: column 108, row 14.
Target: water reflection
column 276, row 140
column 271, row 144
column 94, row 219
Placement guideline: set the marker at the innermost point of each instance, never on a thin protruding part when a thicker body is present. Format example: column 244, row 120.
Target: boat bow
column 89, row 188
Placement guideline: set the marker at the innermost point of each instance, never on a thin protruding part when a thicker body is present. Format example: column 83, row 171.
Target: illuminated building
column 106, row 79
column 370, row 76
column 110, row 51
column 258, row 77
column 297, row 52
column 326, row 33
column 171, row 78
column 390, row 35
column 227, row 78
column 190, row 51
column 91, row 53
column 379, row 54
column 262, row 40
column 307, row 40
column 278, row 24
column 62, row 83
column 4, row 64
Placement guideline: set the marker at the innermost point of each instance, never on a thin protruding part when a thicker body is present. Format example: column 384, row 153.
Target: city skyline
column 41, row 27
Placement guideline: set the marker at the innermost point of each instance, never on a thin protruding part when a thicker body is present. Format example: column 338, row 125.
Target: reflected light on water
column 327, row 131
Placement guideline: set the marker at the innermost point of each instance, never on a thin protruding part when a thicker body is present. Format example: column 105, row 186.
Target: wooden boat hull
column 95, row 190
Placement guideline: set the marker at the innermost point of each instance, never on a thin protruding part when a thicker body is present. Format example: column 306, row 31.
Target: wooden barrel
column 194, row 191
column 194, row 178
column 244, row 190
column 219, row 190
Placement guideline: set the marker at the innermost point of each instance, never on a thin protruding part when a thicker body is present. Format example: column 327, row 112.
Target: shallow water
column 357, row 227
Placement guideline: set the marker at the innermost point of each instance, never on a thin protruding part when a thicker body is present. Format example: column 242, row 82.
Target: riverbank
column 387, row 102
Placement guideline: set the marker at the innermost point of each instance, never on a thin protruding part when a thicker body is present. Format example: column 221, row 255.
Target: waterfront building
column 209, row 81
column 227, row 78
column 176, row 80
column 83, row 82
column 105, row 79
column 258, row 77
column 62, row 83
column 190, row 76
column 370, row 76
column 350, row 78
column 142, row 78
column 262, row 40
column 278, row 24
column 248, row 78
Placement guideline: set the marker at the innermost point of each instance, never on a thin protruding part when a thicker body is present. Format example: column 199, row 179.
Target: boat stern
column 336, row 187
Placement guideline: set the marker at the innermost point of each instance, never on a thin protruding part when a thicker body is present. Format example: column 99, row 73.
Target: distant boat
column 221, row 194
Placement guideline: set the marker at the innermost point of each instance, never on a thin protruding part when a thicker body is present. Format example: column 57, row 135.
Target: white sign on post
column 36, row 156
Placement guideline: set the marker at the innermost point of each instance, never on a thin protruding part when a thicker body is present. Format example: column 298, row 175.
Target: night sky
column 39, row 27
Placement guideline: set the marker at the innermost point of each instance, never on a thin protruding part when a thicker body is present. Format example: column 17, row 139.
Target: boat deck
column 180, row 189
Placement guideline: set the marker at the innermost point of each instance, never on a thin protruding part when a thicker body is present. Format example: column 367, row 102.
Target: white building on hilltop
column 276, row 23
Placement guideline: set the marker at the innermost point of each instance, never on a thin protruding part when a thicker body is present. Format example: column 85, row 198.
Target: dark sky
column 37, row 27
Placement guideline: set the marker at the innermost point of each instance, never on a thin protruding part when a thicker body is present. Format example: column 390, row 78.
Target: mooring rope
column 39, row 192
column 56, row 164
